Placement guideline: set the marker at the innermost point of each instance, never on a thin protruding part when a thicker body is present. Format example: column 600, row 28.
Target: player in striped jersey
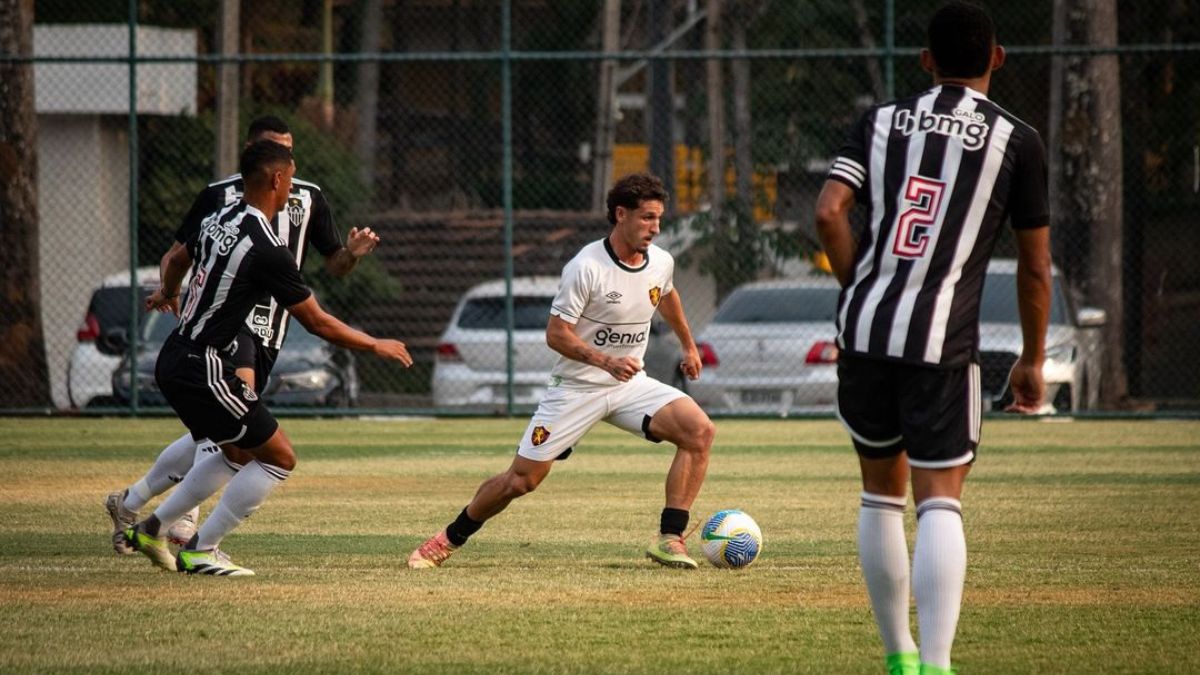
column 237, row 257
column 306, row 219
column 938, row 173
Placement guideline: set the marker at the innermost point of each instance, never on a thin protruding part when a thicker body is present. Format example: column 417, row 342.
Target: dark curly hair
column 632, row 190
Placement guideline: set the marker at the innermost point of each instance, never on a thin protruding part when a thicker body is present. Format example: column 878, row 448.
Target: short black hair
column 632, row 190
column 961, row 36
column 266, row 123
column 261, row 157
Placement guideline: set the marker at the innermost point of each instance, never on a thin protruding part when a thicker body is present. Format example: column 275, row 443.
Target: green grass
column 1083, row 540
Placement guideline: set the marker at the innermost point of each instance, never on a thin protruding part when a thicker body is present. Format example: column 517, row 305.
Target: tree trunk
column 367, row 92
column 1090, row 187
column 743, row 158
column 867, row 40
column 661, row 100
column 24, row 379
column 228, row 136
column 610, row 22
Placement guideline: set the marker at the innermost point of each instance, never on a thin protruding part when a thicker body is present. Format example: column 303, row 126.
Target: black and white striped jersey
column 938, row 173
column 305, row 218
column 237, row 259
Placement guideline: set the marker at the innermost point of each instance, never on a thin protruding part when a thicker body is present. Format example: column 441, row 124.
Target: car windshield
column 804, row 304
column 999, row 302
column 158, row 327
column 530, row 312
column 111, row 306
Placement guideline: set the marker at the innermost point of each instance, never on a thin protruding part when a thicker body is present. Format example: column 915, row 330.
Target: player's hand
column 624, row 368
column 361, row 242
column 393, row 350
column 1028, row 387
column 159, row 302
column 690, row 364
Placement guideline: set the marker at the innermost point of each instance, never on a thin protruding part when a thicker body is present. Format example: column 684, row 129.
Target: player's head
column 267, row 169
column 635, row 207
column 962, row 41
column 269, row 128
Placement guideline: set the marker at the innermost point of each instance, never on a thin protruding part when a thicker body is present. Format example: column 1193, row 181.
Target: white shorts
column 566, row 414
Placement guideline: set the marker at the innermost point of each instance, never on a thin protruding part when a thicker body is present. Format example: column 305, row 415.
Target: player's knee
column 519, row 485
column 701, row 434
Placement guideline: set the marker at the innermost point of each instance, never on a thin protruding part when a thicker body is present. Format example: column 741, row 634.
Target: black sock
column 462, row 528
column 673, row 521
column 151, row 526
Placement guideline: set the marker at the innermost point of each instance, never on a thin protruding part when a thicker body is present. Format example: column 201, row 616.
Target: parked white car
column 770, row 347
column 1073, row 369
column 97, row 353
column 470, row 366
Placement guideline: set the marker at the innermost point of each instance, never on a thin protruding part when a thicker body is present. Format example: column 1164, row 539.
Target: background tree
column 22, row 346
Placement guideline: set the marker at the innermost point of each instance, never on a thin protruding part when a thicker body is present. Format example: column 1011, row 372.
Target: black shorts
column 202, row 387
column 248, row 351
column 891, row 407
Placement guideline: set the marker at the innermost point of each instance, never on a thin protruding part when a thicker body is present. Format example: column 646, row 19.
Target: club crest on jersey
column 295, row 211
column 540, row 435
column 968, row 126
column 655, row 295
column 248, row 393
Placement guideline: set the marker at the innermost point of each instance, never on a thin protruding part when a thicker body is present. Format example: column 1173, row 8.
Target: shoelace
column 435, row 550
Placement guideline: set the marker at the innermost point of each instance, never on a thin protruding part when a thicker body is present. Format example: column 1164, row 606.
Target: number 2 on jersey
column 922, row 198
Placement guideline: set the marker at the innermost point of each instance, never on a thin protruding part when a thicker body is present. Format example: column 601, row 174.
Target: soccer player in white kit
column 599, row 324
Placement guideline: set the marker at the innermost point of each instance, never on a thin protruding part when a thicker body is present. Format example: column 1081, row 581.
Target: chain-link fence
column 477, row 138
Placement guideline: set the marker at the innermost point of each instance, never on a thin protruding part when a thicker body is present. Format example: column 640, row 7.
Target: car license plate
column 761, row 396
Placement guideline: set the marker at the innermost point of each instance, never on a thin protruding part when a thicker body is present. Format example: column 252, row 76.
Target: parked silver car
column 770, row 347
column 470, row 366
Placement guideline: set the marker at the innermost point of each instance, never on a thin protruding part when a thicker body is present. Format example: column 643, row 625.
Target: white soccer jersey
column 611, row 305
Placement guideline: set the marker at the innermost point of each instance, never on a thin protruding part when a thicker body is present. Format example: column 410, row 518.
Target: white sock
column 244, row 495
column 939, row 569
column 883, row 554
column 171, row 465
column 204, row 448
column 201, row 482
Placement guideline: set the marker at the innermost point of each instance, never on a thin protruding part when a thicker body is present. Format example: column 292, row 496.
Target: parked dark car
column 309, row 371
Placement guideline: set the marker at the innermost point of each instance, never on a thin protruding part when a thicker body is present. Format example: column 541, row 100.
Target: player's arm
column 321, row 323
column 340, row 259
column 561, row 337
column 173, row 266
column 671, row 308
column 275, row 271
column 1033, row 305
column 833, row 228
column 359, row 243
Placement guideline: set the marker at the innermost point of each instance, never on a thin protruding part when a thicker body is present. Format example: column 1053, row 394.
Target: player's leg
column 274, row 460
column 868, row 410
column 659, row 412
column 169, row 468
column 941, row 414
column 562, row 418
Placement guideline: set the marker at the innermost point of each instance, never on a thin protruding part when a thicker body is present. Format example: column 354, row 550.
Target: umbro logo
column 614, row 298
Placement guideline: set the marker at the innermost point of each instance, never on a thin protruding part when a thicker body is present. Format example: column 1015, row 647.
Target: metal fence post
column 506, row 132
column 135, row 299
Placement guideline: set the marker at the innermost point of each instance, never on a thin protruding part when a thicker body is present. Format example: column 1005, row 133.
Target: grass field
column 1083, row 540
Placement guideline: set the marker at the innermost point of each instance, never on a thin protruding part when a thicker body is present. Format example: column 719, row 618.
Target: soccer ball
column 731, row 539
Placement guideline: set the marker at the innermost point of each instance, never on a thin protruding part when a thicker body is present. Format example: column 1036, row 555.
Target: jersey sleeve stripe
column 853, row 182
column 851, row 167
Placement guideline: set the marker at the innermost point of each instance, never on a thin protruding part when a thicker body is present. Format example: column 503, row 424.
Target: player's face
column 284, row 185
column 638, row 227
